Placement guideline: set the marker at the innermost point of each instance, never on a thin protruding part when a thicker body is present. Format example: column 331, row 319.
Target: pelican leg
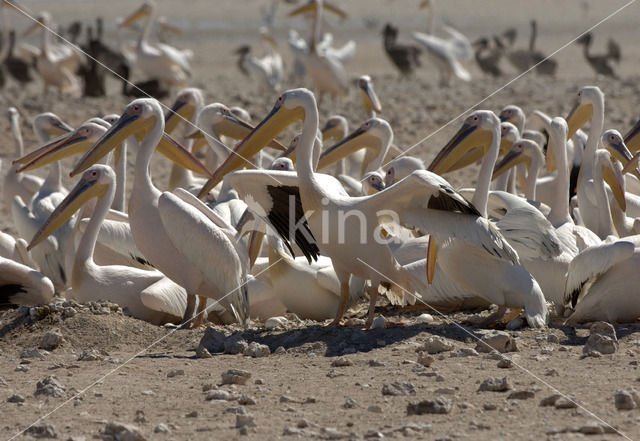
column 496, row 316
column 188, row 312
column 342, row 306
column 373, row 297
column 199, row 318
column 511, row 315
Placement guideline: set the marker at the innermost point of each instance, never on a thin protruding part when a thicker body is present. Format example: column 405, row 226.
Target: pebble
column 397, row 389
column 235, row 376
column 161, row 428
column 424, row 318
column 515, row 324
column 257, row 350
column 550, row 400
column 489, row 406
column 276, row 322
column 342, row 362
column 551, row 372
column 376, row 363
column 379, row 323
column 280, row 350
column 497, row 340
column 50, row 386
column 564, row 403
column 121, row 432
column 148, row 392
column 425, row 359
column 495, row 385
column 235, row 344
column 626, row 399
column 246, row 400
column 212, row 340
column 446, row 391
column 22, row 368
column 602, row 340
column 467, row 352
column 218, row 394
column 350, row 403
column 42, row 431
column 51, row 340
column 436, row 344
column 33, row 353
column 521, row 395
column 505, row 363
column 140, row 417
column 91, row 355
column 15, row 398
column 374, row 408
column 245, row 420
column 439, row 405
column 193, row 414
column 202, row 352
column 175, row 373
column 333, row 433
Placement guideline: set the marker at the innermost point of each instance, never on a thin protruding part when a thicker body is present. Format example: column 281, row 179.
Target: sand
column 299, row 392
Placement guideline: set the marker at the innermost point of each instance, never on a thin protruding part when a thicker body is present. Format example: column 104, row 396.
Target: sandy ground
column 298, row 392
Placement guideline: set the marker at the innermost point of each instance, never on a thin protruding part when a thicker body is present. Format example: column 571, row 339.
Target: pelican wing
column 22, row 285
column 443, row 50
column 591, row 263
column 165, row 296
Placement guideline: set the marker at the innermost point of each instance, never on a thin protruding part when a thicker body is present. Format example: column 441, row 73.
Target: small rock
column 140, row 417
column 602, row 340
column 148, row 392
column 626, row 399
column 39, row 312
column 212, row 340
column 379, row 323
column 489, row 406
column 22, row 368
column 436, row 344
column 235, row 344
column 374, row 408
column 505, row 363
column 202, row 352
column 334, row 373
column 342, row 362
column 161, row 428
column 235, row 376
column 51, row 340
column 552, row 338
column 446, row 391
column 33, row 353
column 91, row 355
column 467, row 352
column 42, row 431
column 550, row 400
column 15, row 398
column 175, row 373
column 193, row 414
column 218, row 394
column 425, row 359
column 495, row 385
column 499, row 340
column 350, row 403
column 591, row 429
column 122, row 432
column 551, row 372
column 276, row 322
column 521, row 395
column 304, row 423
column 333, row 433
column 397, row 389
column 376, row 363
column 291, row 431
column 245, row 420
column 565, row 403
column 257, row 350
column 424, row 318
column 515, row 324
column 439, row 405
column 246, row 400
column 50, row 386
column 280, row 350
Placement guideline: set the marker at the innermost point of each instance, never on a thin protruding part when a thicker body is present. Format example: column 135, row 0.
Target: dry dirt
column 298, row 391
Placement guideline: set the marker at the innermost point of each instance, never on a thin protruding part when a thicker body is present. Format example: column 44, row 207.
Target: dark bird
column 488, row 57
column 91, row 72
column 547, row 66
column 17, row 68
column 242, row 53
column 405, row 57
column 143, row 89
column 601, row 63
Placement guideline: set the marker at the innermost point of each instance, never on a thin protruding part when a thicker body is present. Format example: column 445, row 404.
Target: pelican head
column 288, row 109
column 582, row 111
column 187, row 102
column 51, row 125
column 402, row 167
column 138, row 119
column 111, row 118
column 43, row 19
column 612, row 175
column 336, row 127
column 143, row 11
column 508, row 135
column 374, row 134
column 612, row 140
column 282, row 163
column 512, row 114
column 164, row 24
column 631, row 139
column 522, row 152
column 477, row 131
column 95, row 182
column 373, row 182
column 370, row 100
column 76, row 142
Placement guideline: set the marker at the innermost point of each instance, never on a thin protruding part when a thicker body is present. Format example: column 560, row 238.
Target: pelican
column 159, row 61
column 56, row 64
column 370, row 100
column 177, row 237
column 119, row 284
column 325, row 70
column 22, row 285
column 22, row 185
column 528, row 152
column 402, row 167
column 422, row 200
column 445, row 52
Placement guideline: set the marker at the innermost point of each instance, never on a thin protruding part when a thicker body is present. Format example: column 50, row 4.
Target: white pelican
column 119, row 284
column 402, row 167
column 160, row 61
column 370, row 100
column 445, row 52
column 22, row 185
column 22, row 285
column 325, row 70
column 172, row 234
column 523, row 151
column 56, row 65
column 422, row 200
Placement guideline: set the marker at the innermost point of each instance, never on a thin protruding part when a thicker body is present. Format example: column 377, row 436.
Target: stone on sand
column 235, row 376
column 122, row 432
column 51, row 340
column 497, row 340
column 436, row 344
